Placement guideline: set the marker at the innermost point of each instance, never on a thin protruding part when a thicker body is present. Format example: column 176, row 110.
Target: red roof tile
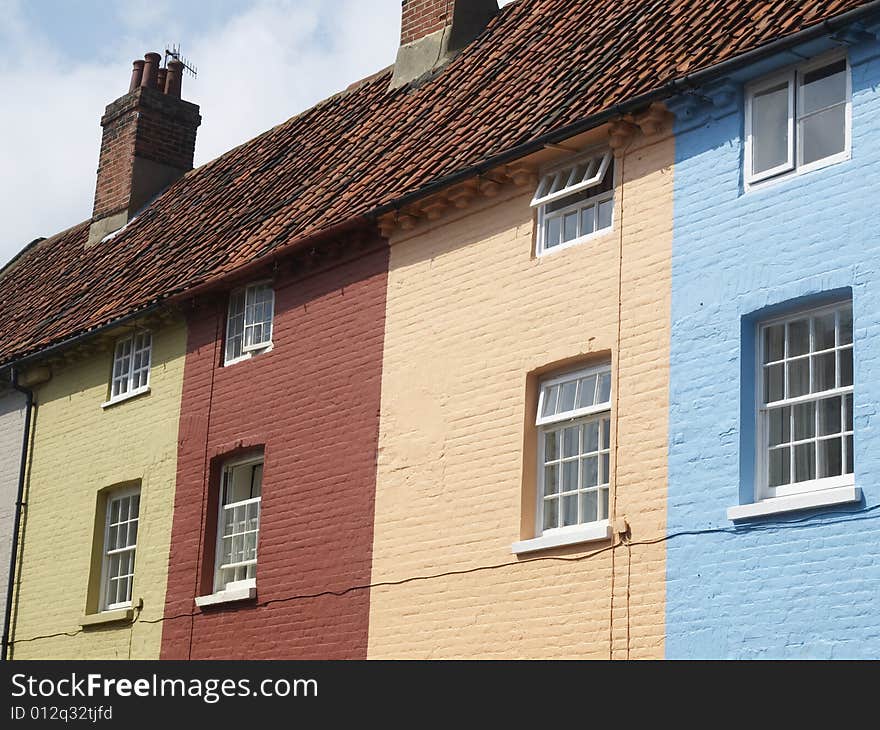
column 540, row 66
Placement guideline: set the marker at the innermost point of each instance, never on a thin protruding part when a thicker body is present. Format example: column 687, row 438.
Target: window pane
column 591, row 437
column 603, row 508
column 848, row 406
column 566, row 397
column 823, row 87
column 780, row 467
column 551, row 480
column 823, row 331
column 604, row 388
column 774, row 343
column 570, row 445
column 606, row 209
column 569, row 475
column 590, row 467
column 846, row 326
column 551, row 447
column 805, row 462
column 590, row 504
column 587, row 392
column 569, row 510
column 798, row 337
column 774, row 383
column 780, row 426
column 770, row 143
column 846, row 367
column 588, row 220
column 849, row 455
column 804, row 421
column 550, row 514
column 824, row 134
column 823, row 372
column 605, row 476
column 798, row 377
column 551, row 394
column 554, row 231
column 830, row 458
column 570, row 224
column 606, row 433
column 829, row 416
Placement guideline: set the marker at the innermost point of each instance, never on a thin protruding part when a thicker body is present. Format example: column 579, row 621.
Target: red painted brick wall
column 313, row 401
column 423, row 17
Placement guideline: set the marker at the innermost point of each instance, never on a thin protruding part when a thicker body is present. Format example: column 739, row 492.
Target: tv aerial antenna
column 172, row 52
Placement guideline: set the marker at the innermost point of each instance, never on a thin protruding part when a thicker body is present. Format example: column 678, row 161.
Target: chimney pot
column 137, row 73
column 174, row 79
column 160, row 79
column 151, row 70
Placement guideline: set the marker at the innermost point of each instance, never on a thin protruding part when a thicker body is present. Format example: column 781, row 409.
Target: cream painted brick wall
column 80, row 448
column 470, row 314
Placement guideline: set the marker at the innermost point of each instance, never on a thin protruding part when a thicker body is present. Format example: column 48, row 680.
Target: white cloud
column 257, row 68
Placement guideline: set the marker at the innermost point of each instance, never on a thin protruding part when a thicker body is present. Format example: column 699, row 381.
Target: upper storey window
column 575, row 201
column 798, row 120
column 131, row 367
column 249, row 324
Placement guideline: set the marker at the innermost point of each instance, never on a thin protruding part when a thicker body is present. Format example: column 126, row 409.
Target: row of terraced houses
column 558, row 338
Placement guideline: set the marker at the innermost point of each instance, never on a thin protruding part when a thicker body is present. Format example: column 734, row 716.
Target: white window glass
column 575, row 201
column 798, row 119
column 238, row 523
column 822, row 111
column 259, row 303
column 770, row 136
column 807, row 401
column 131, row 364
column 574, row 421
column 120, row 546
column 249, row 322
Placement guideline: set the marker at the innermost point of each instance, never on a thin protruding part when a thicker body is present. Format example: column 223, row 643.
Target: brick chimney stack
column 148, row 142
column 432, row 32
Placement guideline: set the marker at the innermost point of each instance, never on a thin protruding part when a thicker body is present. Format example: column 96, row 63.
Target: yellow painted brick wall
column 471, row 312
column 80, row 448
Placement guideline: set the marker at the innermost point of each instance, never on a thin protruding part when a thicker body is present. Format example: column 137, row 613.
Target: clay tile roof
column 539, row 66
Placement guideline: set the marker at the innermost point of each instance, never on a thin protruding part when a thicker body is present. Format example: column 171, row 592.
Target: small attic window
column 575, row 201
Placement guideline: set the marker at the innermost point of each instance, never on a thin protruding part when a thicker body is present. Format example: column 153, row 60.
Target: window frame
column 248, row 351
column 540, row 203
column 793, row 76
column 218, row 586
column 763, row 490
column 576, row 416
column 112, row 496
column 131, row 391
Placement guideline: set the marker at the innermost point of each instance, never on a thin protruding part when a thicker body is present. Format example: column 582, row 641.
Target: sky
column 259, row 63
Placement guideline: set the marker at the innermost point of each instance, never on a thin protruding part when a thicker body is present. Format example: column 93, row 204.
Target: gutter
column 670, row 88
column 674, row 87
column 16, row 523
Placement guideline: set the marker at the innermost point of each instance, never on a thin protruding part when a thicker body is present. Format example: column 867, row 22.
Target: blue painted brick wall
column 804, row 584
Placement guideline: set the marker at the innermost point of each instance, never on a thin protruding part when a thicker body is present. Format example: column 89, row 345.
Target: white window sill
column 570, row 536
column 126, row 396
column 107, row 617
column 795, row 502
column 761, row 182
column 228, row 595
column 248, row 354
